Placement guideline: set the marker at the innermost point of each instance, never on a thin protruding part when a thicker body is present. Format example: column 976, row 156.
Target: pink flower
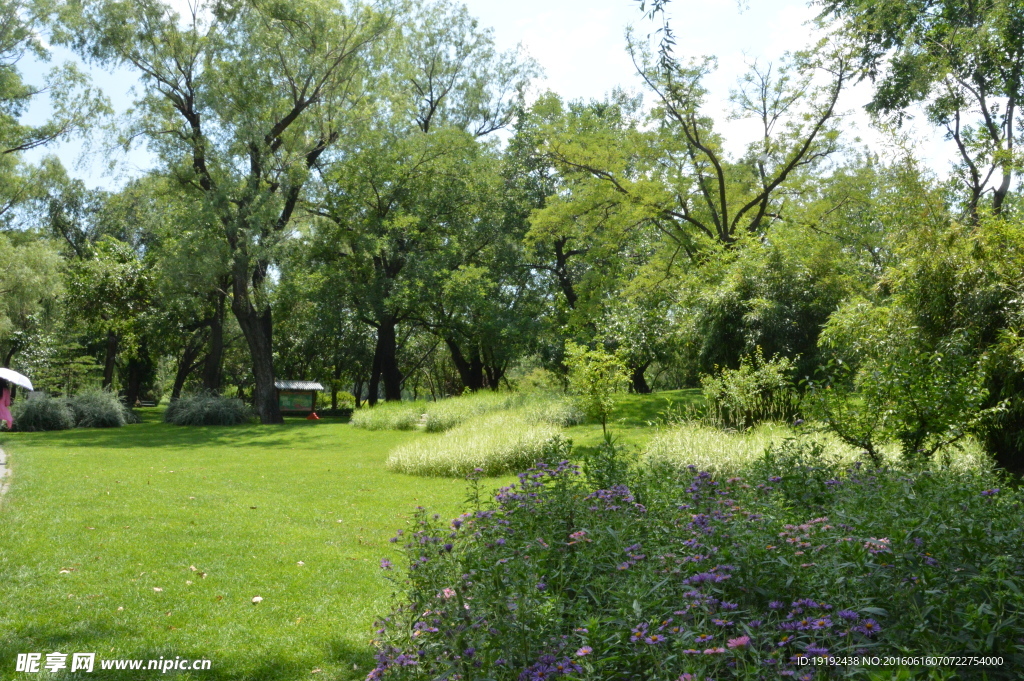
column 714, row 651
column 740, row 642
column 685, row 677
column 585, row 650
column 447, row 593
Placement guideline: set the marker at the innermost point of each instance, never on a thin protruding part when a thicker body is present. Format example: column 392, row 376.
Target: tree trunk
column 386, row 360
column 373, row 391
column 111, row 355
column 133, row 389
column 215, row 357
column 186, row 364
column 639, row 382
column 494, row 376
column 471, row 371
column 358, row 392
column 257, row 327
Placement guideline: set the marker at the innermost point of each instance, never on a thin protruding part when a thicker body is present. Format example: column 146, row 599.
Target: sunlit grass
column 498, row 442
column 96, row 520
column 725, row 452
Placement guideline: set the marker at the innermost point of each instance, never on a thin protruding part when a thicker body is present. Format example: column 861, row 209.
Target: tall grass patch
column 728, row 451
column 42, row 413
column 454, row 411
column 207, row 410
column 389, row 416
column 100, row 409
column 498, row 442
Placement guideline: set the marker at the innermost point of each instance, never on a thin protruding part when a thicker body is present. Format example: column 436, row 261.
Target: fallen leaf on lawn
column 188, row 581
column 191, row 497
column 257, row 599
column 220, row 598
column 65, row 572
column 253, row 507
column 90, row 528
column 120, row 608
column 202, row 575
column 300, row 563
column 316, row 671
column 193, row 568
column 156, row 588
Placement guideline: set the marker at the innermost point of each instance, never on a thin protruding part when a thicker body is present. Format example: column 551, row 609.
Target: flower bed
column 668, row 574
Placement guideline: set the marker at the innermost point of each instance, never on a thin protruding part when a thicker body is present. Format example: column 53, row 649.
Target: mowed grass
column 101, row 530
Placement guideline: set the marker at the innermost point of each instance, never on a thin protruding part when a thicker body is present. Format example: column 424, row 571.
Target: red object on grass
column 312, row 416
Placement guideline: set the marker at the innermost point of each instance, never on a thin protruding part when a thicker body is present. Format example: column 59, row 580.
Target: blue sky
column 581, row 46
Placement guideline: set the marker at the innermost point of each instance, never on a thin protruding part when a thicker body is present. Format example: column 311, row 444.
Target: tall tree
column 964, row 61
column 240, row 99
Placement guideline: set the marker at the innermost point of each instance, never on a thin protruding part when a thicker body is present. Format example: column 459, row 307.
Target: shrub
column 207, row 410
column 759, row 390
column 594, row 376
column 496, row 443
column 42, row 413
column 99, row 409
column 389, row 416
column 677, row 571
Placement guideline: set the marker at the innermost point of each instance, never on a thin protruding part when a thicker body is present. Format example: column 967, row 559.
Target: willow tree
column 239, row 100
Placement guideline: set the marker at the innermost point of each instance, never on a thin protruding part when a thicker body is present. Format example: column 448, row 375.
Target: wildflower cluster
column 669, row 574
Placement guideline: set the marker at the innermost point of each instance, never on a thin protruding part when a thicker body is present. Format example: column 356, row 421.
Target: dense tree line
column 365, row 195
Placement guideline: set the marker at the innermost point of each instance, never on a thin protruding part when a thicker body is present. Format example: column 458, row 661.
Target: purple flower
column 990, row 492
column 816, row 651
column 585, row 650
column 776, row 605
column 849, row 615
column 868, row 627
column 385, row 564
column 654, row 639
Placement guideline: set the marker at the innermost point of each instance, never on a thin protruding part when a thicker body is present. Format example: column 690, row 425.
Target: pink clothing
column 5, row 408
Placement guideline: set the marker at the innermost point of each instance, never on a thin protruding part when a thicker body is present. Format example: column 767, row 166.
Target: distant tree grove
column 374, row 196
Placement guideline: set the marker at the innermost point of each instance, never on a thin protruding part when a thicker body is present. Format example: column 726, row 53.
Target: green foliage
column 207, row 410
column 595, row 376
column 99, row 409
column 759, row 390
column 923, row 397
column 608, row 575
column 389, row 416
column 42, row 413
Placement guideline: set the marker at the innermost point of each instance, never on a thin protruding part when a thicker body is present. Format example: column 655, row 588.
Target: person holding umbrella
column 6, row 420
column 7, row 377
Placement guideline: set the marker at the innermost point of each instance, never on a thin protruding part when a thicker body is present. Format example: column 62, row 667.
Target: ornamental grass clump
column 42, row 413
column 389, row 416
column 99, row 409
column 207, row 410
column 497, row 443
column 445, row 414
column 669, row 573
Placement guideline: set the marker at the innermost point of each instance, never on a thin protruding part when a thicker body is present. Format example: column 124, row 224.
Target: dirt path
column 5, row 476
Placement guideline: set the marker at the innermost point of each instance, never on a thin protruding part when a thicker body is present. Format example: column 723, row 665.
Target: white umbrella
column 16, row 378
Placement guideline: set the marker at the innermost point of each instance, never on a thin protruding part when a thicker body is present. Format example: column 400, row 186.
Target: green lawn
column 633, row 416
column 97, row 520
